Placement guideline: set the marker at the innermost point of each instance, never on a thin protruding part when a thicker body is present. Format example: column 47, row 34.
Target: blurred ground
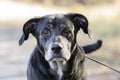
column 104, row 24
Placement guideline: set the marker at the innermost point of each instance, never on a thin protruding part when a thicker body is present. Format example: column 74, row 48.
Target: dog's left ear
column 29, row 27
column 79, row 21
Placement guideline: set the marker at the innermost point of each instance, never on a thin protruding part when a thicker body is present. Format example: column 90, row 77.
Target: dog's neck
column 64, row 69
column 58, row 67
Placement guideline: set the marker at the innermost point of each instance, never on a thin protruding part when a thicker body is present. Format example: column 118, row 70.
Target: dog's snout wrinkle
column 58, row 39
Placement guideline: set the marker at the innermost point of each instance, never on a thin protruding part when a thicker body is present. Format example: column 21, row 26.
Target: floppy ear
column 29, row 27
column 79, row 21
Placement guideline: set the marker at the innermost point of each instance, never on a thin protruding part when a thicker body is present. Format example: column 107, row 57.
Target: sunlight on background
column 104, row 23
column 19, row 10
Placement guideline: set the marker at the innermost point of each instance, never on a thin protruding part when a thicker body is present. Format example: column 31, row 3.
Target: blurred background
column 104, row 23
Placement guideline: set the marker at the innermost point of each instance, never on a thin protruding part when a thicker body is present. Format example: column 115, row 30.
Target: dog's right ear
column 29, row 27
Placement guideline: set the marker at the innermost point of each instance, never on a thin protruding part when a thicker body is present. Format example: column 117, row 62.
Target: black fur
column 92, row 47
column 39, row 68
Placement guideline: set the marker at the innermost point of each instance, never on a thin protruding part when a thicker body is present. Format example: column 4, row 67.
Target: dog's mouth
column 58, row 58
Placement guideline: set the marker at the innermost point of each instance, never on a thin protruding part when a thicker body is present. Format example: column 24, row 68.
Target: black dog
column 57, row 56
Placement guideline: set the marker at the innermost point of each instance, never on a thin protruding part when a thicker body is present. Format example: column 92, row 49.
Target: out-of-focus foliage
column 71, row 2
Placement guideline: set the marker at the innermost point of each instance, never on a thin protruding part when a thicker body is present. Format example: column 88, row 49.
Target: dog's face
column 55, row 34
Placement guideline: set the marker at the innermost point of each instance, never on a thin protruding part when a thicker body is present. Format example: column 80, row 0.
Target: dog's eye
column 67, row 30
column 45, row 32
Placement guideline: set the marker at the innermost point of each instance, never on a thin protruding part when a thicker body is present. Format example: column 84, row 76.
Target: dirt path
column 14, row 59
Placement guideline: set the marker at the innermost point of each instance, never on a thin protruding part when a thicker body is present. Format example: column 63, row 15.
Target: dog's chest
column 60, row 71
column 58, row 67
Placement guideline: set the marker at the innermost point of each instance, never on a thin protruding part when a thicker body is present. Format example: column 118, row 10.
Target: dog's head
column 55, row 34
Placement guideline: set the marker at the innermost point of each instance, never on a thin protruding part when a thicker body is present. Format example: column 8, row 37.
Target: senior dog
column 57, row 55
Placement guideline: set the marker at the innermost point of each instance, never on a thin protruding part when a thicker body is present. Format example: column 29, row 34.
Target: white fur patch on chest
column 60, row 70
column 58, row 67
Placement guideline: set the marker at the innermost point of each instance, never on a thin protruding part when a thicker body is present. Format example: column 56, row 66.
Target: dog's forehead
column 56, row 20
column 55, row 16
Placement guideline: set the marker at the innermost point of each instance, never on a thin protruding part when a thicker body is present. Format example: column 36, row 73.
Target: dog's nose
column 56, row 49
